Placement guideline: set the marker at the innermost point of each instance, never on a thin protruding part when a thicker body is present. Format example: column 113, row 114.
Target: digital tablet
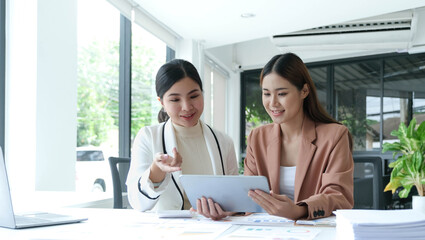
column 231, row 192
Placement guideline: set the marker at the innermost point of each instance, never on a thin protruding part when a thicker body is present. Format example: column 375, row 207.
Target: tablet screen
column 231, row 192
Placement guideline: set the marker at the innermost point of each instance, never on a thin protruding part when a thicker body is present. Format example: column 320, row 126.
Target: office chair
column 369, row 183
column 119, row 174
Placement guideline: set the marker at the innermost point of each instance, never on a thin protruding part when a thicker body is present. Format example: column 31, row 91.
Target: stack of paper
column 379, row 224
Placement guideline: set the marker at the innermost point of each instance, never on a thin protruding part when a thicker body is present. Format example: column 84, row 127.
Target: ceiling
column 219, row 22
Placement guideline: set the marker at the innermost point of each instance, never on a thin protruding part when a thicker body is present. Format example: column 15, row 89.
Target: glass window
column 90, row 155
column 254, row 114
column 148, row 55
column 404, row 92
column 357, row 99
column 319, row 77
column 97, row 101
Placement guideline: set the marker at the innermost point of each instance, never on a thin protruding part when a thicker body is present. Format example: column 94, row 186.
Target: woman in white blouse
column 183, row 144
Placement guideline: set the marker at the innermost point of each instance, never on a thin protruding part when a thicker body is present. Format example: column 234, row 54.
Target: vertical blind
column 215, row 94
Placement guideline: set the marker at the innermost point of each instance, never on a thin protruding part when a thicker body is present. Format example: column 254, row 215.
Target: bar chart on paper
column 261, row 219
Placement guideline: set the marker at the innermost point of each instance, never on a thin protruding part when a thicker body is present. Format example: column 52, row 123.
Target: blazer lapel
column 169, row 138
column 305, row 156
column 170, row 143
column 212, row 149
column 273, row 157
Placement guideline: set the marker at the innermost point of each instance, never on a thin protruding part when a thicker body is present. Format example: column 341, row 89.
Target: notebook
column 231, row 192
column 8, row 218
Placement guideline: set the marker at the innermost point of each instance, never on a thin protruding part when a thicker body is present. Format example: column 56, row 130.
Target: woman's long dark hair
column 169, row 74
column 293, row 69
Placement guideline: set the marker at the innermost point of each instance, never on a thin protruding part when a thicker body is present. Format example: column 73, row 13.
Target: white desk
column 130, row 224
column 42, row 200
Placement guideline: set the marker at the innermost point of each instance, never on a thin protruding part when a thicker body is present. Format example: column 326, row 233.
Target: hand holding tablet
column 230, row 192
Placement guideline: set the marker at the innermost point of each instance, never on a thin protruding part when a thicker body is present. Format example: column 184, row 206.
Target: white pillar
column 41, row 94
column 21, row 79
column 56, row 116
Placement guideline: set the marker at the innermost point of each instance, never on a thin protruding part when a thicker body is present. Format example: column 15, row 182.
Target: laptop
column 8, row 219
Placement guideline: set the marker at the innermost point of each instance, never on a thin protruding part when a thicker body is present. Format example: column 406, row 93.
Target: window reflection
column 319, row 76
column 357, row 99
column 254, row 113
column 404, row 92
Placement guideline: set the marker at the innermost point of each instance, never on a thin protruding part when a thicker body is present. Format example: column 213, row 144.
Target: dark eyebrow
column 177, row 94
column 277, row 89
column 194, row 90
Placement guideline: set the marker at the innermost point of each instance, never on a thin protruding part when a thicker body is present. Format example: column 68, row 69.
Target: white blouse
column 287, row 181
column 193, row 149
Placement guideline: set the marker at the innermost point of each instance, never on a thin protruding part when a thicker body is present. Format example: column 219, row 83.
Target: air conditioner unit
column 386, row 32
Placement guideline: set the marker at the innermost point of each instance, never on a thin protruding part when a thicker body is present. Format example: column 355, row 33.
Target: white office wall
column 56, row 107
column 41, row 69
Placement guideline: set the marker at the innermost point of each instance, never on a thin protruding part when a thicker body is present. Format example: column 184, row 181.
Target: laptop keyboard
column 39, row 218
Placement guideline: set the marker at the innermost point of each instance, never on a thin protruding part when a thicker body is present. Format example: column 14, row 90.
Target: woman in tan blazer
column 305, row 153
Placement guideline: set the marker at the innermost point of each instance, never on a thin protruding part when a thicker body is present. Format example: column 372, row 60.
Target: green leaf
column 395, row 133
column 397, row 170
column 407, row 181
column 391, row 147
column 406, row 144
column 417, row 159
column 408, row 167
column 411, row 129
column 393, row 164
column 405, row 192
column 394, row 153
column 420, row 132
column 402, row 130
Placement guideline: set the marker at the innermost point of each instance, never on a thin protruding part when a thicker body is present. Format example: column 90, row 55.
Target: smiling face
column 184, row 102
column 282, row 100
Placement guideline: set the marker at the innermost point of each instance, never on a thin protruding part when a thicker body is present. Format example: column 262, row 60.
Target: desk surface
column 119, row 223
column 24, row 202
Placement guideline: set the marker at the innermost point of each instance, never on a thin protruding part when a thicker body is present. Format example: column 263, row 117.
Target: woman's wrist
column 156, row 175
column 301, row 211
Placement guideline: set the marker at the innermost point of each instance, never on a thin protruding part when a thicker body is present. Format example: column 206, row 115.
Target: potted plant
column 409, row 168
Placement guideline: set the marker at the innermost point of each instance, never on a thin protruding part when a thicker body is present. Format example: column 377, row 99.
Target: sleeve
column 250, row 166
column 336, row 191
column 142, row 194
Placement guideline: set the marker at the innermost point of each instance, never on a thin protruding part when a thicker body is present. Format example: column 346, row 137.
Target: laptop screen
column 7, row 218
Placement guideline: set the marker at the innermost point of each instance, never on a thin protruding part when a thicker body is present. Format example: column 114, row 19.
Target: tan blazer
column 324, row 173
